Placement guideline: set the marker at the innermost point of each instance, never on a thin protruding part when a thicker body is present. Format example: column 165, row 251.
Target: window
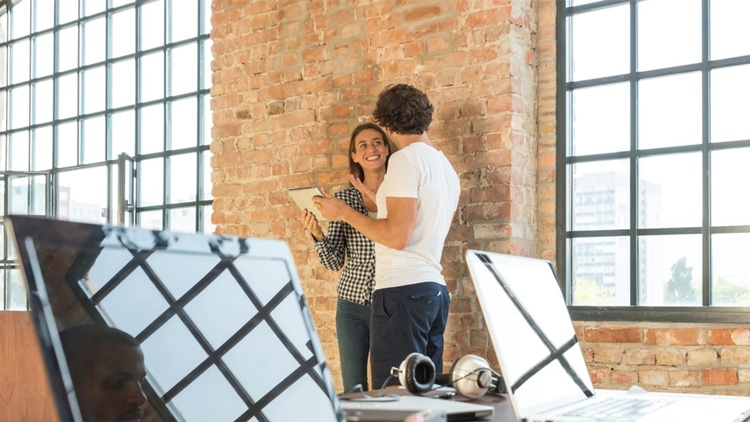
column 654, row 142
column 88, row 94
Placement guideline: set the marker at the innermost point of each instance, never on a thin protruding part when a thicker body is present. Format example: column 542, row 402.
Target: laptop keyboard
column 618, row 408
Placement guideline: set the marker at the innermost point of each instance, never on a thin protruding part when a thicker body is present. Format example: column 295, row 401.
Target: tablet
column 303, row 198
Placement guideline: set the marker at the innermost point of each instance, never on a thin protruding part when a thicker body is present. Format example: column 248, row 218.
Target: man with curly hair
column 416, row 203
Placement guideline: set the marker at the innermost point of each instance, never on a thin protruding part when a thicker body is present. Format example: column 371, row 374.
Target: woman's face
column 370, row 150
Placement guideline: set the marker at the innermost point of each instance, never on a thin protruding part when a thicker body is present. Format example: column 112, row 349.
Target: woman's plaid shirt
column 345, row 245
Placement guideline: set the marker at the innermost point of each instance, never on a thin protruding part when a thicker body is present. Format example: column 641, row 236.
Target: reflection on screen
column 222, row 322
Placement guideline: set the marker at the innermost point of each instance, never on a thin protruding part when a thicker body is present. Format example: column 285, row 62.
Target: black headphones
column 470, row 375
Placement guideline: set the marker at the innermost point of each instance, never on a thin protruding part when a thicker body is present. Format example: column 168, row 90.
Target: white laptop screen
column 531, row 331
column 222, row 321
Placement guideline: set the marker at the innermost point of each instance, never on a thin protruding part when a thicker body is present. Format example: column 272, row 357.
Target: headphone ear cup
column 471, row 376
column 417, row 373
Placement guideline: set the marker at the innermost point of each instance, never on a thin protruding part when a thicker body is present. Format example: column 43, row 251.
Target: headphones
column 470, row 375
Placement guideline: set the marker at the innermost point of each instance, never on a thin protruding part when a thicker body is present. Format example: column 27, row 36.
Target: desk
column 500, row 402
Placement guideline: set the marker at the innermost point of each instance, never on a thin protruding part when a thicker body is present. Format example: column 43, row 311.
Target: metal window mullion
column 634, row 187
column 705, row 156
column 562, row 244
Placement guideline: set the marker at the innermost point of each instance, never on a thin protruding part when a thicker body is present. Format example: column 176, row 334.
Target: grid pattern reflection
column 222, row 321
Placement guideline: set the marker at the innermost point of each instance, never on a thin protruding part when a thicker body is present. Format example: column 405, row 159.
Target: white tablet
column 303, row 198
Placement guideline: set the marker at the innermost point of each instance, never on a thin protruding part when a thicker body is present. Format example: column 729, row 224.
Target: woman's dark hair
column 355, row 168
column 403, row 109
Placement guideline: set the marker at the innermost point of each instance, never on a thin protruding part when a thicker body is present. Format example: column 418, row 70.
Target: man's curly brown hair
column 403, row 109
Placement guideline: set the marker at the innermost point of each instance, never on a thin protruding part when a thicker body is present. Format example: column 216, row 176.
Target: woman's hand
column 310, row 223
column 364, row 190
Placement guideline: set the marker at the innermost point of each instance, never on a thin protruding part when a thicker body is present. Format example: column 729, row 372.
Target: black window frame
column 685, row 314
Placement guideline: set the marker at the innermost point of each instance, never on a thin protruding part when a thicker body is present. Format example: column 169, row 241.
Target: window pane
column 728, row 26
column 43, row 105
column 152, row 25
column 18, row 151
column 182, row 219
column 670, row 269
column 730, row 89
column 123, row 133
column 208, row 226
column 94, row 141
column 207, row 58
column 730, row 285
column 94, row 89
column 19, row 107
column 185, row 123
column 123, row 83
column 20, row 19
column 151, row 182
column 92, row 7
column 601, row 195
column 207, row 185
column 182, row 179
column 601, row 271
column 86, row 190
column 94, row 41
column 68, row 10
column 16, row 293
column 601, row 43
column 601, row 119
column 669, row 189
column 42, row 148
column 44, row 16
column 184, row 20
column 207, row 120
column 44, row 55
column 184, row 69
column 28, row 195
column 668, row 38
column 67, row 144
column 152, row 129
column 206, row 28
column 67, row 98
column 123, row 30
column 20, row 61
column 152, row 76
column 669, row 111
column 67, row 54
column 728, row 206
column 3, row 150
column 151, row 220
column 3, row 75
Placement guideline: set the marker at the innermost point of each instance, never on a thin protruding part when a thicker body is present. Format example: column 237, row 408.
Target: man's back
column 422, row 172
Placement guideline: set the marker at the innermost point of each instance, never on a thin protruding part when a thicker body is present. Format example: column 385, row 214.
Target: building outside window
column 104, row 116
column 654, row 141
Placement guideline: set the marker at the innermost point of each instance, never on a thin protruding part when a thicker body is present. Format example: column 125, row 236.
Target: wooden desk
column 501, row 403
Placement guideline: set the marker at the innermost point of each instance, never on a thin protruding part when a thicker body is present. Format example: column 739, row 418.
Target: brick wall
column 675, row 357
column 292, row 78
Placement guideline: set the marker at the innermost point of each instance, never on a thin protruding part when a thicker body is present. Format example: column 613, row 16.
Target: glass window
column 655, row 141
column 71, row 101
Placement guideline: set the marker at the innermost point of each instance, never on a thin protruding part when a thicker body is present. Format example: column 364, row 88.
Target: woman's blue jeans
column 353, row 332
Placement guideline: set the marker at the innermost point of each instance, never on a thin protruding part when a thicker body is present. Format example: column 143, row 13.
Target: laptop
column 541, row 360
column 403, row 405
column 222, row 321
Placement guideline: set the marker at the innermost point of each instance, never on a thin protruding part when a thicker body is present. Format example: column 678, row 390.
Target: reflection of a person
column 107, row 368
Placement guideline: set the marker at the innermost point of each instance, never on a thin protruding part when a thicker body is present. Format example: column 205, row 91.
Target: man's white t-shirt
column 417, row 171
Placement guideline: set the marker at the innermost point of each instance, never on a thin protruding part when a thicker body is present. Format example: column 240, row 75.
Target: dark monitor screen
column 222, row 321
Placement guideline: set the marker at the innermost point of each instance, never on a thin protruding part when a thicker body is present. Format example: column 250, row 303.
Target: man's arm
column 395, row 231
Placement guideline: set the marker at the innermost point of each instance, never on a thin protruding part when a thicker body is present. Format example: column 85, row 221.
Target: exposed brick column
column 291, row 80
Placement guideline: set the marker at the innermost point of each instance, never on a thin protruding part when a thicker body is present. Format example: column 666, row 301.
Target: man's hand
column 330, row 207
